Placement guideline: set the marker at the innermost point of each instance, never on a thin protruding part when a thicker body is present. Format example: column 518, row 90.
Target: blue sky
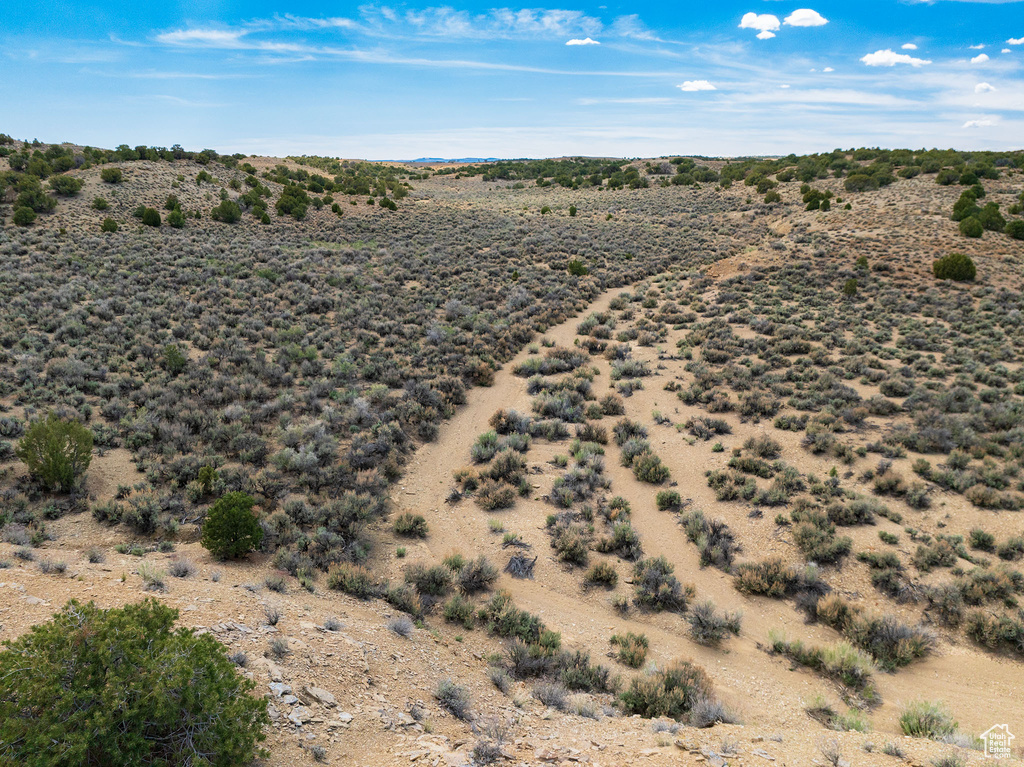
column 470, row 79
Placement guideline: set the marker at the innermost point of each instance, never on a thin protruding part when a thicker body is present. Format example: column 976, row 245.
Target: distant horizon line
column 479, row 159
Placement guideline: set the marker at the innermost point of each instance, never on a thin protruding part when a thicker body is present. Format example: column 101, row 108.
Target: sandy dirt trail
column 981, row 688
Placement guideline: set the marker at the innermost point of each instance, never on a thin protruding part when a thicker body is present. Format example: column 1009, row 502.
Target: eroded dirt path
column 981, row 688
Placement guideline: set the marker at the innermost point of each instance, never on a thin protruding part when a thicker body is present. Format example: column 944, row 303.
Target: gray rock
column 319, row 695
column 279, row 689
column 299, row 715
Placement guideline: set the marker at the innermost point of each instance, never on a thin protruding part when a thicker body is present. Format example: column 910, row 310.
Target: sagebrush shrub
column 672, row 692
column 352, row 579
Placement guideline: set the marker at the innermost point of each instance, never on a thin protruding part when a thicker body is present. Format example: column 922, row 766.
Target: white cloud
column 587, row 102
column 805, row 17
column 217, row 38
column 1006, row 50
column 691, row 86
column 1016, row 41
column 889, row 58
column 828, row 69
column 978, row 47
column 981, row 58
column 584, row 41
column 784, row 86
column 825, row 96
column 909, row 47
column 505, row 23
column 766, row 24
column 979, row 123
column 984, row 88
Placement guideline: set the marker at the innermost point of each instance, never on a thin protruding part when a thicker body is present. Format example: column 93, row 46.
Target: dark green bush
column 1015, row 229
column 991, row 219
column 151, row 217
column 955, row 266
column 66, row 186
column 109, row 225
column 293, row 202
column 971, row 227
column 577, row 268
column 176, row 218
column 24, row 216
column 966, row 206
column 56, row 452
column 174, row 360
column 32, row 196
column 231, row 529
column 112, row 175
column 228, row 212
column 119, row 686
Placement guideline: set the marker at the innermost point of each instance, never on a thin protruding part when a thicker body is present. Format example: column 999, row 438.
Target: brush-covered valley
column 580, row 461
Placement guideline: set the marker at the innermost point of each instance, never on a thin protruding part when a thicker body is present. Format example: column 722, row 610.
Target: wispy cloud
column 651, row 101
column 584, row 41
column 836, row 96
column 180, row 75
column 178, row 101
column 213, row 38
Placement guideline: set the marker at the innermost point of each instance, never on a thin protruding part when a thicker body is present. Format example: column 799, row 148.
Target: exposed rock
column 299, row 715
column 319, row 695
